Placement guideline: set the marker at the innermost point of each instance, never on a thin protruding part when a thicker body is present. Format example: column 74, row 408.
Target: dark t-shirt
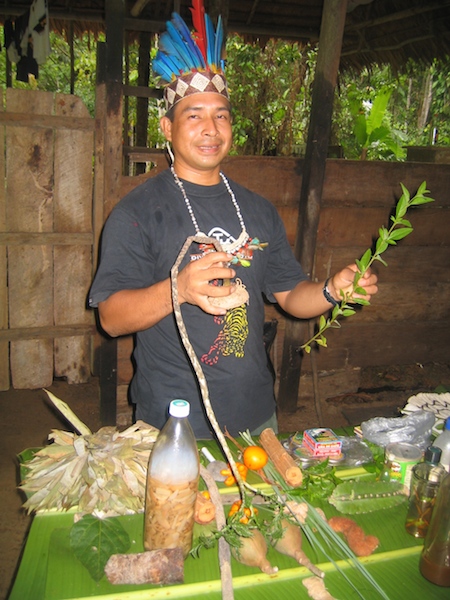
column 141, row 241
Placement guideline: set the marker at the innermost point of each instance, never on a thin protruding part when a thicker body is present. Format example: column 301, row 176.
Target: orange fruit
column 255, row 457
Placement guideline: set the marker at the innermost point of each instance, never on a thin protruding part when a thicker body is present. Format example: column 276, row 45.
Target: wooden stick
column 226, row 575
column 282, row 460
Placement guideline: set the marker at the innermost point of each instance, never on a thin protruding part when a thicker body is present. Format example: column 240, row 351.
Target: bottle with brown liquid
column 435, row 559
column 172, row 482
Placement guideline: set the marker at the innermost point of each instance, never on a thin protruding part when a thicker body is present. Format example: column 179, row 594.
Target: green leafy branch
column 399, row 229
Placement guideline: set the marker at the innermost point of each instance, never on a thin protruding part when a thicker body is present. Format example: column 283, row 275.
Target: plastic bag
column 412, row 429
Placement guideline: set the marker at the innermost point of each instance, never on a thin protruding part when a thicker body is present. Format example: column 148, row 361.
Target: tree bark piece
column 156, row 566
column 283, row 461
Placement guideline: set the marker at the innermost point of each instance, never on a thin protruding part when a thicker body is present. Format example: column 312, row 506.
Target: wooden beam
column 138, row 7
column 140, row 91
column 399, row 15
column 46, row 121
column 45, row 239
column 39, row 333
column 330, row 44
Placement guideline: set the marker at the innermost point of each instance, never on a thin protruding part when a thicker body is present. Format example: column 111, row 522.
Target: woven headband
column 191, row 63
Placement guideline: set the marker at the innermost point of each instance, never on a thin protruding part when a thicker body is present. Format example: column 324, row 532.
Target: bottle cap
column 433, row 455
column 179, row 408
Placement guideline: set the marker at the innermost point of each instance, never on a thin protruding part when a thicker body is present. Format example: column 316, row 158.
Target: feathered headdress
column 191, row 62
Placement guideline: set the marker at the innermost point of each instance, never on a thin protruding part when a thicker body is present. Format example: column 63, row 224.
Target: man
column 141, row 242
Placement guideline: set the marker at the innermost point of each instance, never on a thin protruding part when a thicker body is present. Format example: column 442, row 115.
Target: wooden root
column 282, row 460
column 156, row 566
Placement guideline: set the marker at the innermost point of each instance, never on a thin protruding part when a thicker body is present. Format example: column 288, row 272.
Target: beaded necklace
column 230, row 247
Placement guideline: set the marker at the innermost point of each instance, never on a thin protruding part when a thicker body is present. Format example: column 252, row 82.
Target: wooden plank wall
column 408, row 321
column 46, row 239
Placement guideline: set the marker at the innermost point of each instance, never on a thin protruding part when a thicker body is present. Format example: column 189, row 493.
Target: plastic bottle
column 426, row 478
column 443, row 442
column 435, row 558
column 172, row 482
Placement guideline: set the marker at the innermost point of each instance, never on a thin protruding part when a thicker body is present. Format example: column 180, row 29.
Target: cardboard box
column 322, row 442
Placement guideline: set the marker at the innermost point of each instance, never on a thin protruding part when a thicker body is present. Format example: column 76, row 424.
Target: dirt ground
column 27, row 418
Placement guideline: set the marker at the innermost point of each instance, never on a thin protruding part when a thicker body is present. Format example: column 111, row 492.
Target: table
column 49, row 570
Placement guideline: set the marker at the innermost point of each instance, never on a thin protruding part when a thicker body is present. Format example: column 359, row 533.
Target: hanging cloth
column 37, row 35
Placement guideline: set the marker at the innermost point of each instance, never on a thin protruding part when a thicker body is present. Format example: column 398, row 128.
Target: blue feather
column 172, row 63
column 219, row 42
column 210, row 39
column 161, row 69
column 181, row 47
column 167, row 46
column 185, row 34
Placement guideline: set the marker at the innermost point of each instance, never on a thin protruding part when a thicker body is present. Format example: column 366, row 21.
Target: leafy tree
column 377, row 112
column 270, row 93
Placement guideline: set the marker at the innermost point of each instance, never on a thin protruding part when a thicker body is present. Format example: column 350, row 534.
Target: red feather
column 198, row 20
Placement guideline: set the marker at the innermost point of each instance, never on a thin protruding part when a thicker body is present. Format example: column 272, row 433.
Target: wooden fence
column 46, row 239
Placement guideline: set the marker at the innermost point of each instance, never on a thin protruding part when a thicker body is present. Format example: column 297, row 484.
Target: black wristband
column 328, row 297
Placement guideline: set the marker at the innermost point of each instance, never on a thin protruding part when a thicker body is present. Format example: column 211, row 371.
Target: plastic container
column 172, row 483
column 399, row 459
column 435, row 558
column 443, row 442
column 426, row 478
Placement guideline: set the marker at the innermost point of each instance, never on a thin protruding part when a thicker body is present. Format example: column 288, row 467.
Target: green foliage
column 270, row 93
column 318, row 482
column 398, row 230
column 94, row 540
column 409, row 105
column 376, row 112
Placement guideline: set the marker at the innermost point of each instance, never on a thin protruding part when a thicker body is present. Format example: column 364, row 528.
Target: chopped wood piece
column 283, row 461
column 155, row 566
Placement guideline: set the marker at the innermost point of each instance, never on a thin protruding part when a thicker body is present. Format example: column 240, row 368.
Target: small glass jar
column 426, row 478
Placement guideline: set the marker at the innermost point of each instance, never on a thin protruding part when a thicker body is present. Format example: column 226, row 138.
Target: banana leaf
column 50, row 571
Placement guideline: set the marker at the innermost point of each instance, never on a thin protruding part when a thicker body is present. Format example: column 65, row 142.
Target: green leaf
column 363, row 262
column 401, row 233
column 361, row 301
column 381, row 246
column 378, row 110
column 405, row 193
column 360, row 130
column 381, row 260
column 348, row 312
column 421, row 200
column 403, row 222
column 94, row 540
column 402, row 207
column 378, row 134
column 321, row 341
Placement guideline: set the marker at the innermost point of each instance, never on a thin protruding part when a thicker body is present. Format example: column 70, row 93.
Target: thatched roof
column 376, row 30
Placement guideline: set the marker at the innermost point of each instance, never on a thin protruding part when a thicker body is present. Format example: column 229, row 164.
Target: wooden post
column 110, row 76
column 142, row 103
column 330, row 44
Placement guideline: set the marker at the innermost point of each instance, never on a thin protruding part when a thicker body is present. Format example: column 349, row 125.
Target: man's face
column 200, row 133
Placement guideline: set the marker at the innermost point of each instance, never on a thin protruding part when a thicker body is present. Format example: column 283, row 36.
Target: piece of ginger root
column 316, row 589
column 358, row 541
